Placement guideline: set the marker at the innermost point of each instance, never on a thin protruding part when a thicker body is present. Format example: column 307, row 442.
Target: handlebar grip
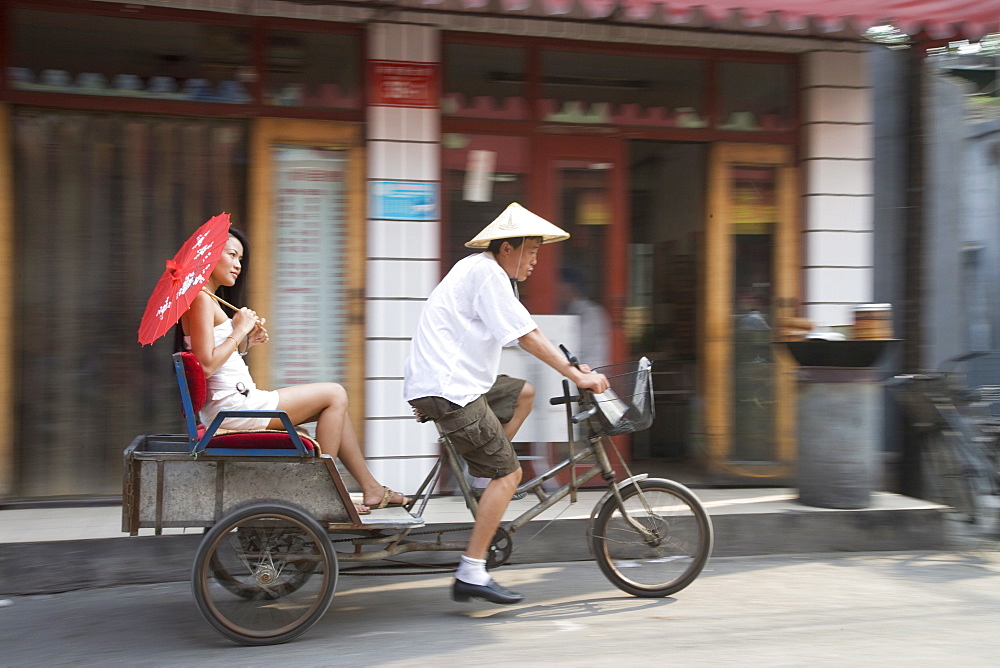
column 580, row 417
column 569, row 356
column 559, row 401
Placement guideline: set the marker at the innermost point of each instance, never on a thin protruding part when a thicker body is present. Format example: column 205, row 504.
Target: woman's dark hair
column 235, row 294
column 232, row 294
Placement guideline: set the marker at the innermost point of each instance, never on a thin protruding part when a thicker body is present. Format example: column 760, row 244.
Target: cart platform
column 165, row 486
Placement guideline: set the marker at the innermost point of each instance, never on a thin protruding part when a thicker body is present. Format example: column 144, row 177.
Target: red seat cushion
column 195, row 380
column 270, row 440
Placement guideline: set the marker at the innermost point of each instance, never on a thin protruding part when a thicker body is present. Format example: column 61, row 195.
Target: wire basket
column 627, row 406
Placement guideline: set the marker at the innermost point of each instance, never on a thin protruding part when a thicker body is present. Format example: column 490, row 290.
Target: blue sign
column 404, row 200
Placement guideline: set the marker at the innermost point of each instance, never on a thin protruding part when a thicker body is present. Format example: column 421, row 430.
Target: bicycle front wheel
column 264, row 574
column 656, row 542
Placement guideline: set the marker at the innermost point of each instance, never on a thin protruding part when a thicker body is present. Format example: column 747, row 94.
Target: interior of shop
column 667, row 199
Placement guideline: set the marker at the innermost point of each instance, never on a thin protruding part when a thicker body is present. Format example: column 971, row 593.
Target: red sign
column 395, row 83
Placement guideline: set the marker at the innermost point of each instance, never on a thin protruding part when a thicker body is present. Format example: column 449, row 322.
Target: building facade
column 717, row 181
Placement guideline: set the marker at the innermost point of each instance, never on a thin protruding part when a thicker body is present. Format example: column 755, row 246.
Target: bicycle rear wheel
column 264, row 574
column 670, row 550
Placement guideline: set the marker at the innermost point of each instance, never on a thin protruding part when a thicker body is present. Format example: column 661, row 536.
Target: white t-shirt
column 467, row 320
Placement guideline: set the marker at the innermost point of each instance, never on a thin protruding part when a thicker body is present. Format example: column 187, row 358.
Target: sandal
column 362, row 509
column 387, row 499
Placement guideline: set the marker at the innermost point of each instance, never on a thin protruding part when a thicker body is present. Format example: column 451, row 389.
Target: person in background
column 595, row 323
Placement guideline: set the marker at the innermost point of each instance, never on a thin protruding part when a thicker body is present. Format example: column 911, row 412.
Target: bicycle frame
column 397, row 544
column 596, row 448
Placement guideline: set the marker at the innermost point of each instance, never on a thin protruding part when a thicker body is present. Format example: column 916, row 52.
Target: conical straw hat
column 516, row 221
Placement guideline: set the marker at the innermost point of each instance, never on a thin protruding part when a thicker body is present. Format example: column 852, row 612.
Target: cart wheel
column 264, row 574
column 297, row 573
column 657, row 542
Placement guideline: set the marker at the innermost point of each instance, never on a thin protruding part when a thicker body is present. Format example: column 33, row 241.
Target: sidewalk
column 46, row 550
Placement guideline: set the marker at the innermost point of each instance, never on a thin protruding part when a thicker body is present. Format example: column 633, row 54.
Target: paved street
column 886, row 609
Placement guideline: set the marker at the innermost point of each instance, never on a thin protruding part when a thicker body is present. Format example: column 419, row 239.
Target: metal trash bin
column 840, row 414
column 840, row 428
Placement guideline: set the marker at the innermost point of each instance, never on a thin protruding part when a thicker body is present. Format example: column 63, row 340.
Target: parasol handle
column 224, row 302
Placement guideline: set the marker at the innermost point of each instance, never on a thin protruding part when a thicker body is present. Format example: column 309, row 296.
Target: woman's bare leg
column 326, row 403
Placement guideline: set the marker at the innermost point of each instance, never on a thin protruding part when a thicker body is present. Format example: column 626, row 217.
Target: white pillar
column 403, row 147
column 837, row 162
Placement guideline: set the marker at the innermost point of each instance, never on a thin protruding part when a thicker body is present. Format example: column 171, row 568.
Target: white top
column 232, row 372
column 467, row 320
column 595, row 336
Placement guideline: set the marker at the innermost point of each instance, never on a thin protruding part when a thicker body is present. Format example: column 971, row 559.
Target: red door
column 580, row 185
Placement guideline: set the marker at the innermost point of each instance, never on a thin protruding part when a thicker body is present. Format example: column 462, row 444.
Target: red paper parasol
column 183, row 278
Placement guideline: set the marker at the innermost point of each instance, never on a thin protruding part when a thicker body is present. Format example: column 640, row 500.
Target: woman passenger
column 219, row 342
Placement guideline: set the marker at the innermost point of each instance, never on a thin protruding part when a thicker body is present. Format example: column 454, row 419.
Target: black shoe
column 492, row 593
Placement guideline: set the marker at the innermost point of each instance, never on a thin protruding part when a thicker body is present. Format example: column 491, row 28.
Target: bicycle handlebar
column 583, row 415
column 558, row 401
column 569, row 356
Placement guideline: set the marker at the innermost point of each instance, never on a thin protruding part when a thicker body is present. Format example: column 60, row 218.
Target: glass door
column 751, row 285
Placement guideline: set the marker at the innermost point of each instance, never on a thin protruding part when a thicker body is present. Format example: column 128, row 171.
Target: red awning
column 941, row 19
column 847, row 19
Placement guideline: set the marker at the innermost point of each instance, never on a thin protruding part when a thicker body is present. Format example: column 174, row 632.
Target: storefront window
column 482, row 174
column 484, row 82
column 582, row 87
column 755, row 96
column 101, row 201
column 312, row 69
column 111, row 56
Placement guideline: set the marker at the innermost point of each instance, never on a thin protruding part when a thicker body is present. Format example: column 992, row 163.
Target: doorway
column 713, row 272
column 581, row 187
column 309, row 248
column 751, row 290
column 667, row 186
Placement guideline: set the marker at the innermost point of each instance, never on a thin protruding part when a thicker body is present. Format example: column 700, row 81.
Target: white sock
column 473, row 571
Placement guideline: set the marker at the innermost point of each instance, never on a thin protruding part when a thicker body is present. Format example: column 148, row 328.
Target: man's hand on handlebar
column 595, row 382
